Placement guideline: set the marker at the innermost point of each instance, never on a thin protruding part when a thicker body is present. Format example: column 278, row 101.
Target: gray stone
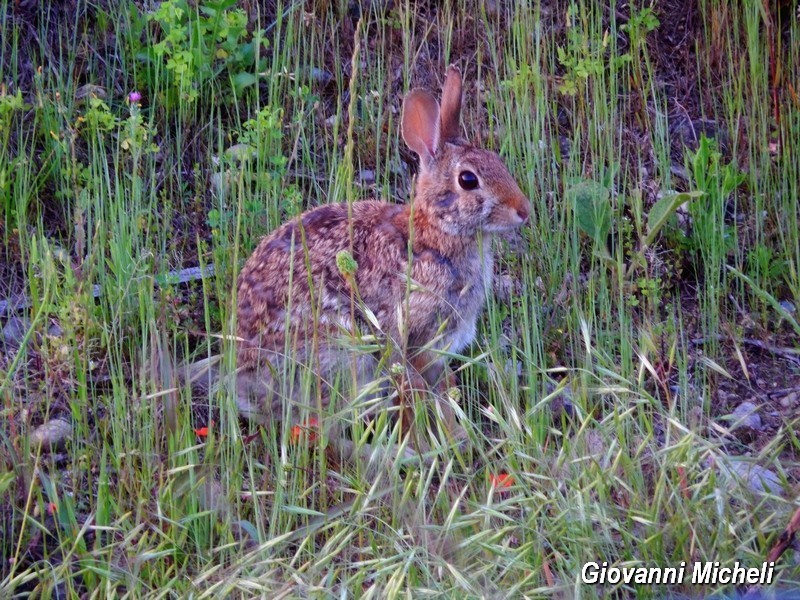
column 745, row 416
column 320, row 76
column 54, row 330
column 51, row 434
column 789, row 400
column 15, row 329
column 756, row 477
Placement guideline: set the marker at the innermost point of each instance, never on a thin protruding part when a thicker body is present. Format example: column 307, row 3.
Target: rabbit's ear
column 451, row 105
column 421, row 124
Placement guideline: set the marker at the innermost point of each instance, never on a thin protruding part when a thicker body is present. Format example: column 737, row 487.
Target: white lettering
column 590, row 577
column 702, row 573
column 738, row 574
column 768, row 576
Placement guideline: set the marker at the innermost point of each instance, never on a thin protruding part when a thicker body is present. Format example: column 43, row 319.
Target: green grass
column 96, row 190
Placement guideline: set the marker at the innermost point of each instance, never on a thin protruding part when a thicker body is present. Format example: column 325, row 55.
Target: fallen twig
column 792, row 354
column 783, row 391
column 785, row 539
column 21, row 301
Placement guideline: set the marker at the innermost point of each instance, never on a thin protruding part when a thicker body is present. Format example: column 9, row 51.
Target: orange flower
column 203, row 431
column 501, row 481
column 308, row 428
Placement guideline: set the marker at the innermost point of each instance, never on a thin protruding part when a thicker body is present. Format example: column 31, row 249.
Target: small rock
column 757, row 478
column 240, row 153
column 789, row 400
column 320, row 76
column 50, row 435
column 788, row 307
column 726, row 397
column 690, row 133
column 366, row 176
column 89, row 90
column 561, row 404
column 221, row 182
column 745, row 416
column 15, row 330
column 509, row 369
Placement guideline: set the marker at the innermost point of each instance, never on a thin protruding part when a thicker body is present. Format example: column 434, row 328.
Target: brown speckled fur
column 447, row 233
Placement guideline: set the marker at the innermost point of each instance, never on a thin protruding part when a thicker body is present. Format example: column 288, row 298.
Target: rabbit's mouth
column 509, row 215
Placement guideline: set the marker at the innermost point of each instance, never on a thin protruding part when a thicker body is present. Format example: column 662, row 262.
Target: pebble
column 746, row 415
column 561, row 404
column 320, row 76
column 54, row 330
column 789, row 400
column 509, row 369
column 15, row 329
column 240, row 153
column 51, row 434
column 758, row 478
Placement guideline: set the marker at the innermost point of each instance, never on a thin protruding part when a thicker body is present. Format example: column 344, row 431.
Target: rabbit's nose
column 523, row 208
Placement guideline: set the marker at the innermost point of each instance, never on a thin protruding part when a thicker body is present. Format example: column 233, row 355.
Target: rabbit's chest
column 465, row 299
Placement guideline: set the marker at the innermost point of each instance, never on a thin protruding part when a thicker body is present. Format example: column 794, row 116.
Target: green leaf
column 732, row 179
column 6, row 479
column 243, row 80
column 592, row 209
column 219, row 5
column 663, row 210
column 247, row 53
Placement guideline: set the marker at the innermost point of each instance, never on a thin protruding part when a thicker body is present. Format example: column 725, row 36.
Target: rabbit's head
column 462, row 189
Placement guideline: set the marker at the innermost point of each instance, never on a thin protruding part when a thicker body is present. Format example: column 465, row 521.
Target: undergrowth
column 663, row 247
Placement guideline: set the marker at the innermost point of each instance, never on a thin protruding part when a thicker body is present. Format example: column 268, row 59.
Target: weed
column 196, row 45
column 652, row 285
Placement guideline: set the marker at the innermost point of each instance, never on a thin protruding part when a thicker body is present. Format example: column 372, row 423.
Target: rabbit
column 421, row 274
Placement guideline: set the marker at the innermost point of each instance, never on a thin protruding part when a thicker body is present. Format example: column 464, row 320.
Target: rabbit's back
column 276, row 279
column 441, row 292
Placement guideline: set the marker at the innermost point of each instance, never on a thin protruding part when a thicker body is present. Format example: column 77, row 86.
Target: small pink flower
column 134, row 97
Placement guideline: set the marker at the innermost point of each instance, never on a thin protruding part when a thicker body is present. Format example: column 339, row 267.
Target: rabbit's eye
column 467, row 180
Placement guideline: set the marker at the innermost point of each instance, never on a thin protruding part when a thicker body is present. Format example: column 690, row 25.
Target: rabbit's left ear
column 451, row 105
column 421, row 125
